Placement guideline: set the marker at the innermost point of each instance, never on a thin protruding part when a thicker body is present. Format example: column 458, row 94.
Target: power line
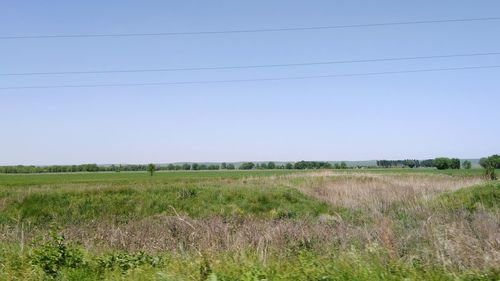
column 252, row 80
column 246, row 66
column 249, row 30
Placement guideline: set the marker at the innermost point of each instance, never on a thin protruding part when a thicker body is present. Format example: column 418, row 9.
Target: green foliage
column 467, row 164
column 54, row 255
column 490, row 164
column 470, row 198
column 490, row 174
column 125, row 261
column 197, row 197
column 492, row 161
column 151, row 169
column 442, row 163
column 247, row 166
column 455, row 163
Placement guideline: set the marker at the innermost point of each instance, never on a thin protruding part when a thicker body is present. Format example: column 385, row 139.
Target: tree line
column 301, row 165
column 488, row 163
column 410, row 163
column 441, row 163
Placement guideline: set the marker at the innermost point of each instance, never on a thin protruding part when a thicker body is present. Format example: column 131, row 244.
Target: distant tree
column 271, row 165
column 426, row 163
column 455, row 163
column 247, row 166
column 300, row 165
column 151, row 169
column 441, row 163
column 170, row 167
column 288, row 166
column 343, row 165
column 411, row 163
column 466, row 164
column 186, row 166
column 491, row 161
column 490, row 164
column 230, row 166
column 213, row 167
column 223, row 165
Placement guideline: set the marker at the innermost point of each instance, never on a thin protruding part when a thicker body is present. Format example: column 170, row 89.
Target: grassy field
column 373, row 224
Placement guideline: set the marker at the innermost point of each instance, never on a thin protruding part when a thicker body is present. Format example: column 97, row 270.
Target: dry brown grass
column 377, row 192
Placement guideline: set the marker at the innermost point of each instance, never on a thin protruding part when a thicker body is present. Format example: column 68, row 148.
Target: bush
column 490, row 164
column 124, row 261
column 442, row 163
column 489, row 173
column 55, row 254
column 455, row 163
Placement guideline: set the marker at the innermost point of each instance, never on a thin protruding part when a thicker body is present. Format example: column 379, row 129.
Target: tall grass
column 321, row 225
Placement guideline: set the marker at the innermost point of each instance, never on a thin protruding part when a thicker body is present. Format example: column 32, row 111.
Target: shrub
column 125, row 261
column 55, row 254
column 441, row 163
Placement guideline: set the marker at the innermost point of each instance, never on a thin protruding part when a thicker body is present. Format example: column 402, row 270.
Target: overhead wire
column 253, row 79
column 241, row 31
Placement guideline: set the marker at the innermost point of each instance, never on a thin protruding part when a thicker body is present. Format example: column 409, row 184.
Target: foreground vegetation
column 387, row 224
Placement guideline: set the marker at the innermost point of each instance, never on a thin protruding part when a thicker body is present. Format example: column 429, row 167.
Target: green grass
column 122, row 203
column 485, row 196
column 350, row 265
column 7, row 180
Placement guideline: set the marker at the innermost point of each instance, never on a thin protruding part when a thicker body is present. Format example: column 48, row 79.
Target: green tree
column 151, row 169
column 271, row 165
column 466, row 164
column 411, row 163
column 490, row 164
column 491, row 161
column 247, row 166
column 455, row 163
column 230, row 166
column 441, row 163
column 223, row 165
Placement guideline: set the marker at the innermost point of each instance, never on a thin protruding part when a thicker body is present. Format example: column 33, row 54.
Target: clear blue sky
column 420, row 115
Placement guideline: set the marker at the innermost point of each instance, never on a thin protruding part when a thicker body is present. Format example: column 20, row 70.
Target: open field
column 373, row 224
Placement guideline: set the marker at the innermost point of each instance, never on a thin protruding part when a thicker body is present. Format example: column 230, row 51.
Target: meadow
column 371, row 224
